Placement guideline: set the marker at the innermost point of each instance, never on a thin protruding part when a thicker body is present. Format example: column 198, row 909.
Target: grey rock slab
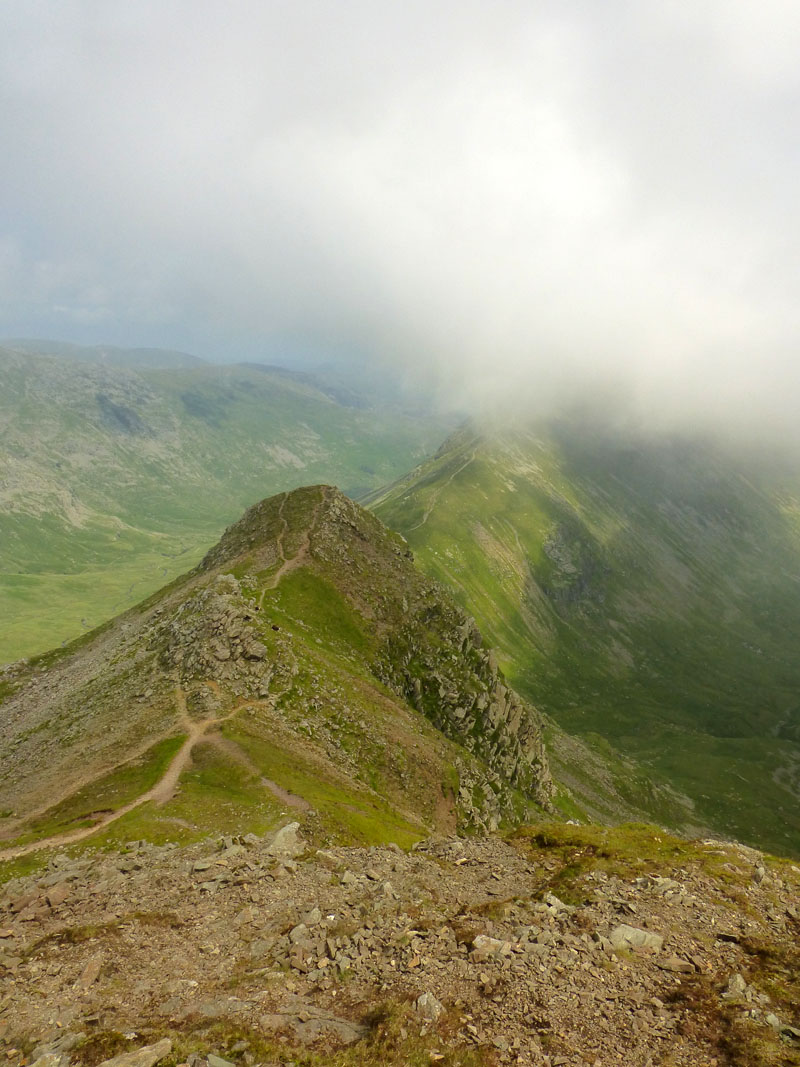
column 329, row 859
column 287, row 842
column 50, row 1059
column 91, row 972
column 676, row 964
column 58, row 894
column 624, row 936
column 428, row 1007
column 216, row 1009
column 483, row 947
column 553, row 902
column 309, row 1023
column 60, row 1046
column 298, row 933
column 737, row 986
column 146, row 1056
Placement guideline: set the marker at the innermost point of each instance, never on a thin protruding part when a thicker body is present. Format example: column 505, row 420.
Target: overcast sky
column 498, row 192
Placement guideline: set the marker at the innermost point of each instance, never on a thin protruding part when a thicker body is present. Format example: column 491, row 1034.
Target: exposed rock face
column 430, row 651
column 211, row 635
column 458, row 685
column 426, row 648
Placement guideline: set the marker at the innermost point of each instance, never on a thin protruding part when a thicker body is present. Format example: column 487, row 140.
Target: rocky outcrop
column 427, row 650
column 444, row 671
column 212, row 634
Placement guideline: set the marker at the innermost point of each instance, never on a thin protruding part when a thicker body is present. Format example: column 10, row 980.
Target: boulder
column 287, row 843
column 146, row 1056
column 624, row 936
column 484, row 947
column 429, row 1007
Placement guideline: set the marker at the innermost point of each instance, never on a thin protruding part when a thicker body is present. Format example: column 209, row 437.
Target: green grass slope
column 644, row 594
column 113, row 479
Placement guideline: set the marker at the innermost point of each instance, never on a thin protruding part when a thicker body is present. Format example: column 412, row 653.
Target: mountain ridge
column 298, row 624
column 324, row 835
column 641, row 592
column 114, row 480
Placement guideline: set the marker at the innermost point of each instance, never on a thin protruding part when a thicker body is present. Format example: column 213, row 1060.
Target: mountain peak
column 305, row 652
column 270, row 528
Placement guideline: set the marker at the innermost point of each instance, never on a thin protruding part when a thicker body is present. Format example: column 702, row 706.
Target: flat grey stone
column 146, row 1056
column 624, row 936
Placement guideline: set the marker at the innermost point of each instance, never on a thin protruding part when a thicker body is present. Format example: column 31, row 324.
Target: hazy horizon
column 518, row 201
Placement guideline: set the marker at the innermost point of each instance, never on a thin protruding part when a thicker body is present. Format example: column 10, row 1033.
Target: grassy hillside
column 644, row 594
column 114, row 480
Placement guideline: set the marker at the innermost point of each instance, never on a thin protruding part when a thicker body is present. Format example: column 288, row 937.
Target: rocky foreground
column 552, row 947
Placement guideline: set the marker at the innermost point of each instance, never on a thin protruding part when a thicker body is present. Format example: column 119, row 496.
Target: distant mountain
column 643, row 593
column 353, row 383
column 110, row 355
column 305, row 662
column 114, row 478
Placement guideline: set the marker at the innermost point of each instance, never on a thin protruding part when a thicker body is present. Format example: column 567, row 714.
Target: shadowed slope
column 642, row 593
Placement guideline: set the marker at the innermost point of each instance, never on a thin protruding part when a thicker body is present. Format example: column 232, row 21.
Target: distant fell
column 643, row 592
column 112, row 355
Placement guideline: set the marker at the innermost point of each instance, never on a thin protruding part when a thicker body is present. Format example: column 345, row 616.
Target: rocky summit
column 551, row 946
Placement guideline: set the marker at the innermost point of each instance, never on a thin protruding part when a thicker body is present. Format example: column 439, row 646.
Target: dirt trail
column 196, row 731
column 291, row 800
column 82, row 783
column 164, row 789
column 301, row 555
column 161, row 793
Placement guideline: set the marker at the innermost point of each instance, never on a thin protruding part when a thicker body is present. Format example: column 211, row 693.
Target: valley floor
column 559, row 945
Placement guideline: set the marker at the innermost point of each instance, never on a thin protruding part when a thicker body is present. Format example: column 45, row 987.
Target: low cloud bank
column 528, row 201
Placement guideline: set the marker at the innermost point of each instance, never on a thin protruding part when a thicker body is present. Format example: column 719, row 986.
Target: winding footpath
column 196, row 731
column 300, row 557
column 434, row 499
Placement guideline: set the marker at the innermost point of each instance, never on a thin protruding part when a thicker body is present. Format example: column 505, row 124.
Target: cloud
column 517, row 195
